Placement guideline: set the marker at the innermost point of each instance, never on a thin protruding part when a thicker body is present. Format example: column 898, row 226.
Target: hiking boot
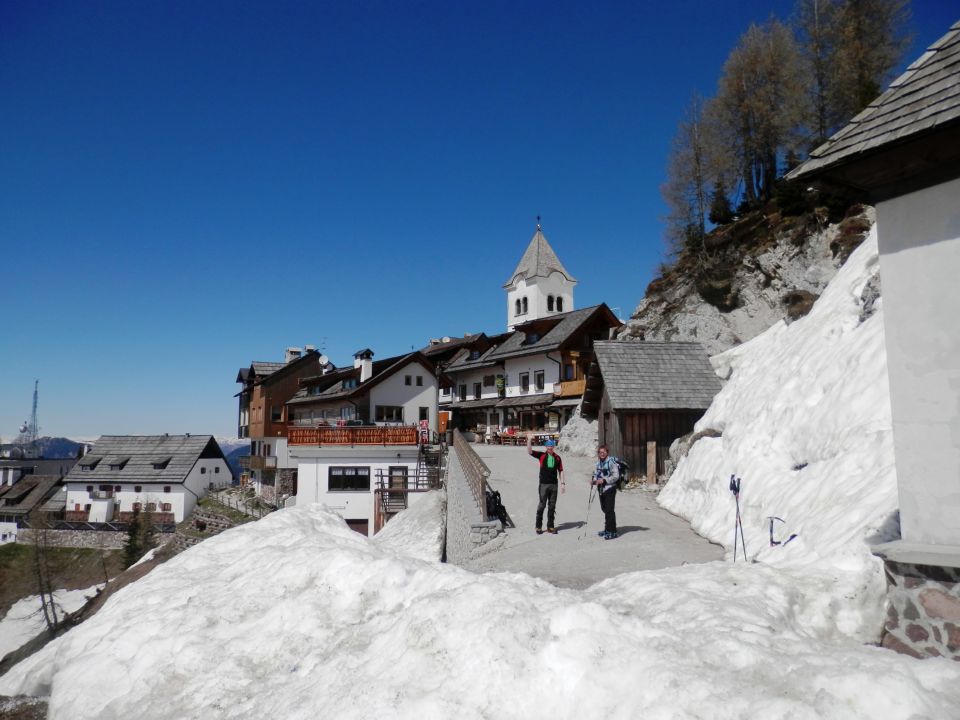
column 539, row 531
column 552, row 531
column 610, row 535
column 601, row 533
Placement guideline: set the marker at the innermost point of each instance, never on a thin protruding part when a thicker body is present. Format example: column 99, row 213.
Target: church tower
column 540, row 286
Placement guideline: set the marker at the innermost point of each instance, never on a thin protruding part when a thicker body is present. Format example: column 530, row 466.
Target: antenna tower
column 30, row 431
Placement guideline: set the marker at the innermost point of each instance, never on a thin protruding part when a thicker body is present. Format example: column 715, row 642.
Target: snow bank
column 806, row 424
column 418, row 531
column 296, row 616
column 24, row 620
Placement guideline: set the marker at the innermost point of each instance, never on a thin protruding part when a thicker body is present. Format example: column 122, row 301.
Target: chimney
column 293, row 353
column 363, row 359
column 309, row 348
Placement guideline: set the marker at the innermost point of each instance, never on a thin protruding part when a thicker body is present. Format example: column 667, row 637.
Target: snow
column 416, row 532
column 296, row 616
column 24, row 620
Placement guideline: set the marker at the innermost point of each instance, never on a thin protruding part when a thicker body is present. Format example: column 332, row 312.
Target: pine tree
column 721, row 212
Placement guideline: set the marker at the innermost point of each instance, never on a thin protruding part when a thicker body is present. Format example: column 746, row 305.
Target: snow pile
column 806, row 424
column 296, row 616
column 418, row 531
column 24, row 621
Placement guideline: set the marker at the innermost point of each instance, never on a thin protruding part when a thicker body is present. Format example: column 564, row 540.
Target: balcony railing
column 262, row 462
column 244, row 462
column 365, row 435
column 569, row 388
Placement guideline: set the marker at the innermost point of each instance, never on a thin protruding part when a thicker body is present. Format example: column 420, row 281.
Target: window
column 538, row 379
column 559, row 304
column 407, row 379
column 344, row 478
column 568, row 371
column 445, row 391
column 216, row 470
column 524, row 306
column 166, row 507
column 388, row 413
column 463, row 393
column 347, row 413
column 161, row 464
column 524, row 382
column 518, row 307
column 476, row 391
column 349, row 384
column 203, row 471
column 166, row 488
column 489, row 381
column 89, row 488
column 419, row 380
column 424, row 413
column 116, row 488
column 104, row 488
column 532, row 338
column 138, row 488
column 276, row 413
column 119, row 464
column 151, row 507
column 86, row 508
column 550, row 303
column 475, row 354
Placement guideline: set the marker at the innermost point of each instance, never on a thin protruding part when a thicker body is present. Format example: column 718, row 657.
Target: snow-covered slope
column 25, row 620
column 806, row 425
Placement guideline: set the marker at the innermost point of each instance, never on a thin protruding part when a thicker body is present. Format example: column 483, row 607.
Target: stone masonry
column 466, row 529
column 923, row 615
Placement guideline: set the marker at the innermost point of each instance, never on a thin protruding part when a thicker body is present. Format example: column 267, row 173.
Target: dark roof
column 333, row 382
column 924, row 99
column 262, row 369
column 648, row 375
column 539, row 260
column 142, row 452
column 452, row 344
column 558, row 330
column 526, row 400
column 26, row 494
column 474, row 404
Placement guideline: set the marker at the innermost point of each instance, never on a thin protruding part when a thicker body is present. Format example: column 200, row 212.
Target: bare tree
column 685, row 188
column 43, row 570
column 814, row 21
column 760, row 105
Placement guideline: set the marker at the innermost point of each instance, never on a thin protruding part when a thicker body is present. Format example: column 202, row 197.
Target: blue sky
column 186, row 187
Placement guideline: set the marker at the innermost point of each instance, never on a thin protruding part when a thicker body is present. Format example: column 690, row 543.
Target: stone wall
column 466, row 529
column 923, row 616
column 77, row 538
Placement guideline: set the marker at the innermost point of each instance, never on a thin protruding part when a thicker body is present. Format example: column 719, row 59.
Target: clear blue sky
column 189, row 186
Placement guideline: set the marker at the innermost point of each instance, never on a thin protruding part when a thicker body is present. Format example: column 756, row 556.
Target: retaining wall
column 466, row 528
column 923, row 615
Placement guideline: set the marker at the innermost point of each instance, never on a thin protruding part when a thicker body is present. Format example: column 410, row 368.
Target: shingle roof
column 262, row 369
column 143, row 452
column 925, row 97
column 516, row 344
column 539, row 260
column 26, row 494
column 651, row 375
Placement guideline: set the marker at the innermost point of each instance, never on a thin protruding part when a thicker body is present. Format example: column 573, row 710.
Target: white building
column 163, row 474
column 540, row 286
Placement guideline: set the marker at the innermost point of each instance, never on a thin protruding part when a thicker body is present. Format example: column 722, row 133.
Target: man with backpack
column 606, row 477
column 551, row 472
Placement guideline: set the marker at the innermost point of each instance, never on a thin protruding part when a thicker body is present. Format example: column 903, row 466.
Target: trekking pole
column 587, row 519
column 738, row 524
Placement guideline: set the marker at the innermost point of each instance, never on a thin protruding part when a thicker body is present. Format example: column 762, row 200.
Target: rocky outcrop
column 750, row 276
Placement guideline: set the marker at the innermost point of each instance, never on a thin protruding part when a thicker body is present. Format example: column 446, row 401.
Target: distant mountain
column 58, row 447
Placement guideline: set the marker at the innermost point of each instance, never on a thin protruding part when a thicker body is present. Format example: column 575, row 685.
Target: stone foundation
column 923, row 615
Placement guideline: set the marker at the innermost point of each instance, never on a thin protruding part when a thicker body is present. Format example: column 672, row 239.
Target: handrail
column 357, row 435
column 475, row 470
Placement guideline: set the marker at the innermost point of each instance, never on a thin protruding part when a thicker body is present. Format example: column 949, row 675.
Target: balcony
column 365, row 435
column 262, row 462
column 569, row 388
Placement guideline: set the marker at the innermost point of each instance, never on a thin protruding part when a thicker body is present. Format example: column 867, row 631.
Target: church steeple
column 540, row 285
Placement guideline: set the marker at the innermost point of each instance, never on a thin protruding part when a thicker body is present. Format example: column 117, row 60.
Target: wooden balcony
column 363, row 435
column 569, row 388
column 262, row 462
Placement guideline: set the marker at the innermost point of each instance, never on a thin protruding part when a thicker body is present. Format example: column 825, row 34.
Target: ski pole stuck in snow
column 738, row 524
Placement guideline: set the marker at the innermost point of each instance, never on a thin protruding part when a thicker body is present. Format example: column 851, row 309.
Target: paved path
column 650, row 537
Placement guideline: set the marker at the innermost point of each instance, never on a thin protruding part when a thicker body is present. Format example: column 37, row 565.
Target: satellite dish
column 23, row 428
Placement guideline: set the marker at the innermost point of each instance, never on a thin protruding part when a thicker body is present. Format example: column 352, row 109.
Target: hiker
column 605, row 477
column 551, row 471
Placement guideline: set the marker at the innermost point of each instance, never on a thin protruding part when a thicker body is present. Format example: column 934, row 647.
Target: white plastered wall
column 395, row 392
column 919, row 237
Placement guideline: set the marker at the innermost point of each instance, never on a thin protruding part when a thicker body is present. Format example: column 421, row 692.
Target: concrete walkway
column 650, row 537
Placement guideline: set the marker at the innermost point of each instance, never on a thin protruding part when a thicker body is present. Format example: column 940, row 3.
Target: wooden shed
column 645, row 395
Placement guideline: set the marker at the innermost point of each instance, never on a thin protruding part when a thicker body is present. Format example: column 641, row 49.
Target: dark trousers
column 608, row 501
column 548, row 493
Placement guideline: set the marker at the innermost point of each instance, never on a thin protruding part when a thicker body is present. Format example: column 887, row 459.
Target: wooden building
column 645, row 395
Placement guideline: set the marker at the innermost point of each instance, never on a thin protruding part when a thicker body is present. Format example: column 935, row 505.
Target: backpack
column 624, row 469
